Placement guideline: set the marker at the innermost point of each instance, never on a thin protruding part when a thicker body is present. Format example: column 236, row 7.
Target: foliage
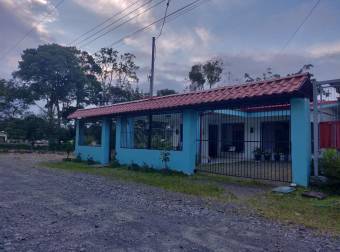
column 268, row 74
column 165, row 158
column 13, row 99
column 52, row 73
column 163, row 92
column 210, row 73
column 196, row 77
column 118, row 73
column 330, row 163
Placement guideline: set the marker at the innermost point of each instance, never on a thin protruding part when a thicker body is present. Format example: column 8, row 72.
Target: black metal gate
column 252, row 142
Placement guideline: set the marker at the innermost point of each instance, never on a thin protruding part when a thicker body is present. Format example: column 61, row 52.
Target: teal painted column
column 190, row 123
column 106, row 131
column 300, row 140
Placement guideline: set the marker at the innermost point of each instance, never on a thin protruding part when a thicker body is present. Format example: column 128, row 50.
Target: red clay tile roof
column 287, row 86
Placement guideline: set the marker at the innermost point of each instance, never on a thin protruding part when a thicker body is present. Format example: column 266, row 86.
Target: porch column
column 190, row 123
column 300, row 140
column 106, row 130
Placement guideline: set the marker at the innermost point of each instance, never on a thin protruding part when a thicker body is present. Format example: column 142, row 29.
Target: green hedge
column 51, row 147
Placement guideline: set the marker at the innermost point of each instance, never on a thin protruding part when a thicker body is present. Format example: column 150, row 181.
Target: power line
column 166, row 11
column 178, row 12
column 300, row 26
column 29, row 32
column 102, row 23
column 119, row 25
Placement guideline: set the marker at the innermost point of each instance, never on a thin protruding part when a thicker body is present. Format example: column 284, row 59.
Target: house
column 3, row 137
column 259, row 130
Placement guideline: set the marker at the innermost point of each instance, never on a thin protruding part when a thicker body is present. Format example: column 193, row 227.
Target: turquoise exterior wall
column 100, row 154
column 300, row 140
column 183, row 161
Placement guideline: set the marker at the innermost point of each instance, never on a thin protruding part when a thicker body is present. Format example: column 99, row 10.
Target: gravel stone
column 53, row 210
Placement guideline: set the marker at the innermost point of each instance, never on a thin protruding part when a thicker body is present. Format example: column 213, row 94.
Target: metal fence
column 327, row 115
column 252, row 142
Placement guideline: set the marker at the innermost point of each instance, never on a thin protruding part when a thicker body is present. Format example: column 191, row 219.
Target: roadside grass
column 175, row 182
column 322, row 215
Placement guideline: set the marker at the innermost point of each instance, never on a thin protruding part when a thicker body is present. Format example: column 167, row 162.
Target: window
column 166, row 132
column 158, row 132
column 232, row 137
column 90, row 133
column 140, row 132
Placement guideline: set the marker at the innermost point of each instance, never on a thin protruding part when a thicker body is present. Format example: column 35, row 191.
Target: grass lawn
column 173, row 182
column 323, row 215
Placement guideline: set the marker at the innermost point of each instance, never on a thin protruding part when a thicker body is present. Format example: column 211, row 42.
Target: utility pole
column 152, row 66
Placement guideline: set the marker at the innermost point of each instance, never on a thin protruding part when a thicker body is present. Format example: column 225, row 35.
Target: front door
column 213, row 140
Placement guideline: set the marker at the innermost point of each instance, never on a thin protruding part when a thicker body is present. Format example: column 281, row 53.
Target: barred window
column 158, row 132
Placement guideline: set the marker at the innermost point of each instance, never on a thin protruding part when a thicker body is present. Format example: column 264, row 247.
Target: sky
column 248, row 35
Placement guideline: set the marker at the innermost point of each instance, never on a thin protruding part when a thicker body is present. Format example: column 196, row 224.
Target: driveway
column 52, row 210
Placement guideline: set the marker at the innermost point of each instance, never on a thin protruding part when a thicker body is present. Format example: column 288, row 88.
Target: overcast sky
column 249, row 35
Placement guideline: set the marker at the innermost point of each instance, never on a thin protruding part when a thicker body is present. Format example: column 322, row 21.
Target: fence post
column 315, row 129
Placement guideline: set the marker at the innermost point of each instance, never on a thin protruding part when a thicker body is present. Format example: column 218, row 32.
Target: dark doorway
column 213, row 140
column 275, row 137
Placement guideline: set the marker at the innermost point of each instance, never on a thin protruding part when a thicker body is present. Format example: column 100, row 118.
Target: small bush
column 78, row 158
column 90, row 161
column 330, row 163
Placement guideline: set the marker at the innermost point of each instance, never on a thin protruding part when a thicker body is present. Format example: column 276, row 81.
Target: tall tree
column 212, row 71
column 196, row 78
column 118, row 73
column 51, row 72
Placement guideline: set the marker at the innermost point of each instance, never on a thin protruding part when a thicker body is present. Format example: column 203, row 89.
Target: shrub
column 78, row 158
column 90, row 160
column 330, row 163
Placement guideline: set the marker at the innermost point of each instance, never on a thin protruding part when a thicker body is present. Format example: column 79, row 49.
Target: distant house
column 259, row 130
column 3, row 137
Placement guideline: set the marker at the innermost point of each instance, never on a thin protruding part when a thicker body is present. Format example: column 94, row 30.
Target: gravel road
column 52, row 210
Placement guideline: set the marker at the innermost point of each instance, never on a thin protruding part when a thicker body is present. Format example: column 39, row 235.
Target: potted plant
column 258, row 154
column 277, row 155
column 267, row 155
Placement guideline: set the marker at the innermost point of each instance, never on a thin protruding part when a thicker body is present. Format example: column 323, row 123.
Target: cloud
column 204, row 35
column 108, row 8
column 324, row 50
column 36, row 14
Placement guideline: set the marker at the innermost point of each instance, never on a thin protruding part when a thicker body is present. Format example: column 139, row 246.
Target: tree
column 118, row 73
column 163, row 92
column 270, row 75
column 196, row 78
column 13, row 99
column 212, row 71
column 52, row 73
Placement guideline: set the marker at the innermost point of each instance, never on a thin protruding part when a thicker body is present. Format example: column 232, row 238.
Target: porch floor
column 267, row 170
